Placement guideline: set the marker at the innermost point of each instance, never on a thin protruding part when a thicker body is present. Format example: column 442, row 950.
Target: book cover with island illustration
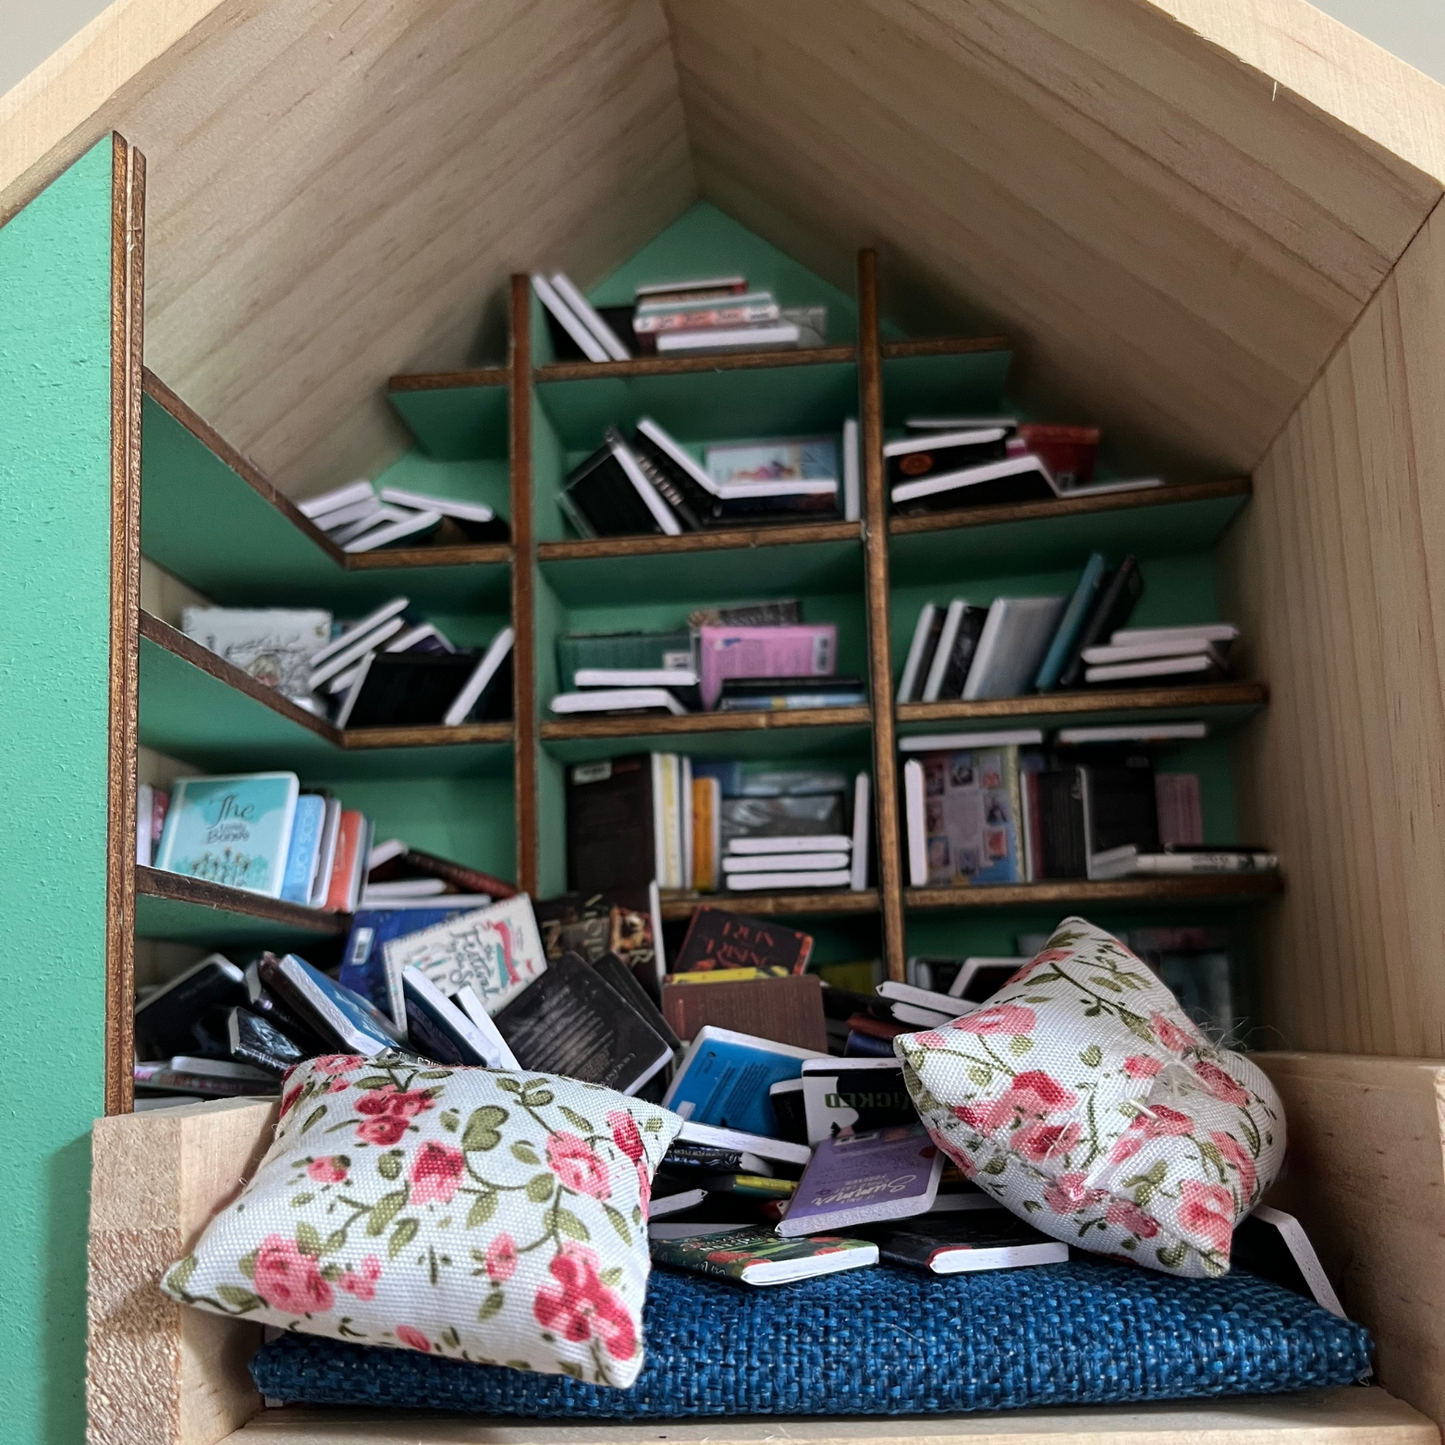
column 757, row 1256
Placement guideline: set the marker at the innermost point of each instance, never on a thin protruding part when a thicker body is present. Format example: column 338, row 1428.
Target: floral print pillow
column 485, row 1215
column 1085, row 1100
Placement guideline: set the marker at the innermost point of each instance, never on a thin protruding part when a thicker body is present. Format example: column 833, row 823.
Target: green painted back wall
column 54, row 681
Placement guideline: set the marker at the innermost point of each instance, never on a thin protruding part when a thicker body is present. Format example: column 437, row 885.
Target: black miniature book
column 959, row 1243
column 253, row 1041
column 404, row 689
column 569, row 1021
column 1112, row 606
column 187, row 1015
column 609, row 824
column 602, row 498
column 618, row 976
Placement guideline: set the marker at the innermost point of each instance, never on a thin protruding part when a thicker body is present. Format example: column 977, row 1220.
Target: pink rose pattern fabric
column 1084, row 1099
column 486, row 1215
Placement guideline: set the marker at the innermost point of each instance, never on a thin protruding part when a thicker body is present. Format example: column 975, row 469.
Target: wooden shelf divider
column 671, row 725
column 773, row 905
column 887, row 862
column 692, row 365
column 177, row 888
column 1082, row 703
column 1168, row 495
column 526, row 797
column 718, row 540
column 1081, row 892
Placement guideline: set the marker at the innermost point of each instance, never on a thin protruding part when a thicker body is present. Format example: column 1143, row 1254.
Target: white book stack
column 1197, row 653
column 810, row 860
column 358, row 518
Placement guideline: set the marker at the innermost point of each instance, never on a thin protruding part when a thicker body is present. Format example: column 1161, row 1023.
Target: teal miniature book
column 232, row 830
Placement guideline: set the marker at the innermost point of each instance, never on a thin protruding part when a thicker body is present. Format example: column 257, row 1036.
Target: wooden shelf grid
column 198, row 707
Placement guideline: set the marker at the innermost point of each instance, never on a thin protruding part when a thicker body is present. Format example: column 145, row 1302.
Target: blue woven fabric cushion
column 885, row 1342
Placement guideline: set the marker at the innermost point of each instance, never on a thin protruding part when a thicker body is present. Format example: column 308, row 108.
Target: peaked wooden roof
column 1175, row 209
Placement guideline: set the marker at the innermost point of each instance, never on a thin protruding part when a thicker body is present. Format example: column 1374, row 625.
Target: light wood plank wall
column 1336, row 574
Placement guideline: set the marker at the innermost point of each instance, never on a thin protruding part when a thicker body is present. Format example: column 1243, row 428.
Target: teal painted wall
column 54, row 686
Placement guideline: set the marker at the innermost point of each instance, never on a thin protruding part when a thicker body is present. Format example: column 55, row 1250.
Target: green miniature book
column 758, row 1257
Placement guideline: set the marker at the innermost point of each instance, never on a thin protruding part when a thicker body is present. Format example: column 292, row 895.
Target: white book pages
column 588, row 315
column 356, row 491
column 591, row 348
column 359, row 629
column 862, row 817
column 917, row 837
column 485, row 670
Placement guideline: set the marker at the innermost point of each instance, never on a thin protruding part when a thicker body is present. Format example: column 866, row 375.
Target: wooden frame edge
column 127, row 316
column 886, row 865
column 524, row 573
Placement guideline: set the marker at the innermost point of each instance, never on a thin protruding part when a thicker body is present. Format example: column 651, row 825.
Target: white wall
column 1413, row 29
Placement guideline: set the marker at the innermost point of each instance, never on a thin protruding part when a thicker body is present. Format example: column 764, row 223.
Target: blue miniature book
column 725, row 1077
column 233, row 830
column 363, row 967
column 305, row 845
column 1071, row 624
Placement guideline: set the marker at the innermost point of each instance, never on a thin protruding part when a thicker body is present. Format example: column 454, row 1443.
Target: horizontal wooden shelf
column 448, row 380
column 924, row 346
column 1346, row 1416
column 714, row 540
column 1082, row 892
column 692, row 365
column 1051, row 708
column 1165, row 496
column 199, row 707
column 173, row 907
column 667, row 725
column 480, row 554
column 815, row 904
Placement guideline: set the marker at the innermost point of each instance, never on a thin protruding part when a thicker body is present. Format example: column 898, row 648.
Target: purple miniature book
column 862, row 1178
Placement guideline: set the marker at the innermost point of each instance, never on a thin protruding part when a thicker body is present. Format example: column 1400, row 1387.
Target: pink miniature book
column 806, row 650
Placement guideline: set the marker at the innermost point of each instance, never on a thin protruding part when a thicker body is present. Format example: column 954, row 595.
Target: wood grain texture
column 158, row 1373
column 692, row 365
column 1365, row 1178
column 1336, row 574
column 887, row 857
column 524, row 583
column 40, row 111
column 127, row 312
column 339, row 194
column 160, row 884
column 1322, row 1417
column 1174, row 247
column 668, row 725
column 714, row 540
column 1083, row 892
column 1093, row 700
column 1068, row 506
column 772, row 905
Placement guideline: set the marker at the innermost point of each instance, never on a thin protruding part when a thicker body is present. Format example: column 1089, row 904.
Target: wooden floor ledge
column 1324, row 1417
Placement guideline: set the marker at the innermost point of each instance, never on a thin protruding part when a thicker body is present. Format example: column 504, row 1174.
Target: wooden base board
column 1324, row 1417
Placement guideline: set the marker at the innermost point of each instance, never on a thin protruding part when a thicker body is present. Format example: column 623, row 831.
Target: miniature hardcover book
column 495, row 951
column 232, row 830
column 864, row 1178
column 758, row 1257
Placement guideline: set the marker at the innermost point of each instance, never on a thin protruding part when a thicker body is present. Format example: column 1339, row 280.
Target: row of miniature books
column 695, row 316
column 1018, row 645
column 359, row 517
column 261, row 833
column 998, row 808
column 652, row 484
column 706, row 826
column 745, row 658
column 941, row 463
column 390, row 668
